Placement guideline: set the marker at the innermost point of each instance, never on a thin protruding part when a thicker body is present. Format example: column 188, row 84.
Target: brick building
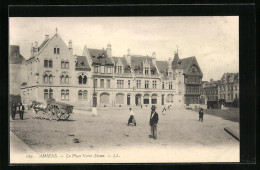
column 99, row 78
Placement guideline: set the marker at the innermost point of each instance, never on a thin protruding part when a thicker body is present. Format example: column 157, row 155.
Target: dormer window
column 146, row 70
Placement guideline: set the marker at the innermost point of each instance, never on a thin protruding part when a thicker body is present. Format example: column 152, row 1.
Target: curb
column 232, row 133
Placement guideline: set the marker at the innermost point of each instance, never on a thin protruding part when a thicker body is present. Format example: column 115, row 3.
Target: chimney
column 170, row 62
column 36, row 46
column 109, row 50
column 46, row 37
column 154, row 58
column 128, row 57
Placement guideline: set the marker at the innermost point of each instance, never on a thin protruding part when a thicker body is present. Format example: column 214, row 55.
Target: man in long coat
column 154, row 118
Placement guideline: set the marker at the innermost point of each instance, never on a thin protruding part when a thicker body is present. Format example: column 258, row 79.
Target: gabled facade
column 98, row 78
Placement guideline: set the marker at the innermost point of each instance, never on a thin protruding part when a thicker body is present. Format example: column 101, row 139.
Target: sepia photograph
column 124, row 89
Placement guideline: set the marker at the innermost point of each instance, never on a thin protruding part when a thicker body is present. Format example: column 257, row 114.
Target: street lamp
column 94, row 94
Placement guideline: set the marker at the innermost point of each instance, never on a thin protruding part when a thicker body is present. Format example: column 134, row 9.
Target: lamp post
column 94, row 94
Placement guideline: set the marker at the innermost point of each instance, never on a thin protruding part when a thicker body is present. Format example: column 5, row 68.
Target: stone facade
column 99, row 78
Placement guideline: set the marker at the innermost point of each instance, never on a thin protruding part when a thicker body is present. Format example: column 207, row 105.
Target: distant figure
column 21, row 110
column 164, row 111
column 201, row 115
column 13, row 110
column 153, row 123
column 94, row 111
column 131, row 118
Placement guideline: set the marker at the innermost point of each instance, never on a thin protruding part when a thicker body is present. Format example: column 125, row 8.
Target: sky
column 214, row 41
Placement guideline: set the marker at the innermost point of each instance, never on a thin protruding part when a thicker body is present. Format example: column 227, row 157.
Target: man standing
column 153, row 123
column 201, row 115
column 21, row 110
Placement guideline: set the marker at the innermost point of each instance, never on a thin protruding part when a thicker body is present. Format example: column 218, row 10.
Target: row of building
column 221, row 92
column 98, row 78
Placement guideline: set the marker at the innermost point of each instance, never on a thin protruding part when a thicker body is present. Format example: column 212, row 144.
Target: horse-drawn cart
column 53, row 110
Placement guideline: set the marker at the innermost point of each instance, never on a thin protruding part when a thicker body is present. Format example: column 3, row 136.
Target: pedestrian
column 153, row 123
column 13, row 110
column 131, row 118
column 201, row 115
column 164, row 111
column 21, row 110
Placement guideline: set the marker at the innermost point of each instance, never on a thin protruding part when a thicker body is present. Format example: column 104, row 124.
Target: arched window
column 66, row 64
column 50, row 78
column 85, row 95
column 46, row 63
column 62, row 79
column 62, row 94
column 46, row 78
column 80, row 94
column 82, row 79
column 67, row 94
column 67, row 79
column 46, row 94
column 51, row 94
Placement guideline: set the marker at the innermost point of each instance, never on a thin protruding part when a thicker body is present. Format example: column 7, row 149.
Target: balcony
column 102, row 74
column 123, row 74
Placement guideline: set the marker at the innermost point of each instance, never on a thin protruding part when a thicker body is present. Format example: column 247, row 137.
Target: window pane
column 85, row 80
column 58, row 51
column 67, row 64
column 80, row 79
column 45, row 63
column 102, row 83
column 54, row 50
column 80, row 95
column 108, row 83
column 50, row 63
column 85, row 95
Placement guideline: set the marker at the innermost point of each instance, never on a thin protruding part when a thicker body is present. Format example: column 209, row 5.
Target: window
column 146, row 70
column 48, row 94
column 119, row 69
column 103, row 69
column 50, row 63
column 82, row 79
column 65, row 94
column 67, row 79
column 67, row 64
column 46, row 63
column 46, row 78
column 146, row 85
column 170, row 85
column 85, row 95
column 80, row 94
column 102, row 82
column 108, row 83
column 129, row 84
column 154, row 84
column 95, row 83
column 109, row 70
column 62, row 64
column 56, row 50
column 95, row 69
column 138, row 83
column 62, row 79
column 163, row 85
column 120, row 83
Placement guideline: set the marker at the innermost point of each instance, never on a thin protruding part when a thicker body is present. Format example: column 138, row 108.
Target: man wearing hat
column 153, row 122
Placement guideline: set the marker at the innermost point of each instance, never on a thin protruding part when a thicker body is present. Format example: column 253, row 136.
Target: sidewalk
column 18, row 146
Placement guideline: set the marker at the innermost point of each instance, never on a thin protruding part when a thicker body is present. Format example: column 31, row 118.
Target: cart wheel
column 54, row 112
column 63, row 116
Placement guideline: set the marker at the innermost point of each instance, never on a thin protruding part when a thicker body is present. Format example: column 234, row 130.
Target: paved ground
column 181, row 137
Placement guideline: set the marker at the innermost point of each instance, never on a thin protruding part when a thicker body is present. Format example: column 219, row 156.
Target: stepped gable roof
column 14, row 55
column 124, row 62
column 100, row 56
column 82, row 64
column 137, row 61
column 162, row 67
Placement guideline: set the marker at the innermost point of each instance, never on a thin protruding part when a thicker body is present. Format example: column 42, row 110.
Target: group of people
column 17, row 108
column 154, row 118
